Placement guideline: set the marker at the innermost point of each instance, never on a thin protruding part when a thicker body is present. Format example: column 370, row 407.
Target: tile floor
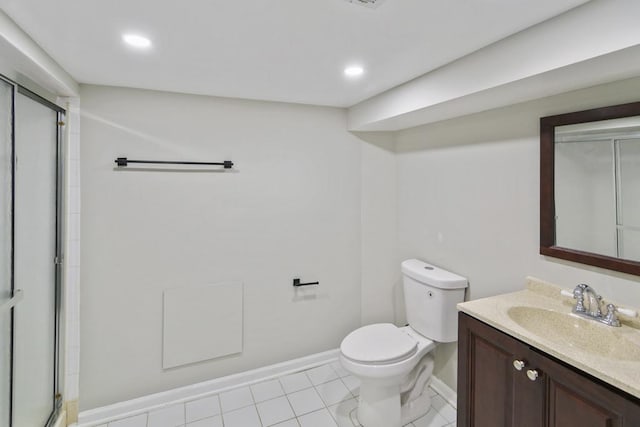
column 325, row 396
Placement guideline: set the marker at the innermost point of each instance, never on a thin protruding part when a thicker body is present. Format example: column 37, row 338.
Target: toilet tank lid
column 432, row 275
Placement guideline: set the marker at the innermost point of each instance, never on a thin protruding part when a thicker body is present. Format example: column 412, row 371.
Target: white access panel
column 201, row 323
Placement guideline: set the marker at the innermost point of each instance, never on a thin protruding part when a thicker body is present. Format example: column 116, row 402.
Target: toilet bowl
column 394, row 364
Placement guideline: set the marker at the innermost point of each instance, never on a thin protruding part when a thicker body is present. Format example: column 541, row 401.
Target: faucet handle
column 610, row 318
column 579, row 291
column 627, row 312
column 566, row 293
column 578, row 295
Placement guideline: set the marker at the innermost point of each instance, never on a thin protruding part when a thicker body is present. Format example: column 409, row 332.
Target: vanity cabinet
column 503, row 382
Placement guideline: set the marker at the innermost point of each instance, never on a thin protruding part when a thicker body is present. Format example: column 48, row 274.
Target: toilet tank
column 430, row 296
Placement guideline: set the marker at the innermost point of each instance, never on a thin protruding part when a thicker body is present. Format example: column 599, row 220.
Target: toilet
column 394, row 365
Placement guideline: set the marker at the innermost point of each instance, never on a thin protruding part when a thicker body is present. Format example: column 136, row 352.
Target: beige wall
column 291, row 207
column 468, row 201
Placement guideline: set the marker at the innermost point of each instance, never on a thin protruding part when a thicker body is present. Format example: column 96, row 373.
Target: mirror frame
column 547, row 194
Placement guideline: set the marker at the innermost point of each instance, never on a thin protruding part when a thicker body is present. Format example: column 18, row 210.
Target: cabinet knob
column 519, row 364
column 532, row 374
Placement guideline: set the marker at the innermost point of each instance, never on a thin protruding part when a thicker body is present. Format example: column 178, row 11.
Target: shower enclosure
column 30, row 256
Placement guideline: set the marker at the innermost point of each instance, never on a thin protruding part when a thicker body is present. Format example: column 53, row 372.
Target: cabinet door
column 577, row 400
column 491, row 391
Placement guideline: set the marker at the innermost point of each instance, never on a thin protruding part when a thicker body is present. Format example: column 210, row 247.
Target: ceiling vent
column 371, row 4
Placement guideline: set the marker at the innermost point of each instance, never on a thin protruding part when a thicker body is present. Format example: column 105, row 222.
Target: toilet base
column 415, row 409
column 381, row 406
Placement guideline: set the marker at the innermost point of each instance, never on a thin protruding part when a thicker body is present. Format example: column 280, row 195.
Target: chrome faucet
column 593, row 309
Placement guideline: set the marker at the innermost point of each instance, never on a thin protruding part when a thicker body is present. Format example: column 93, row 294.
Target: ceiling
column 277, row 50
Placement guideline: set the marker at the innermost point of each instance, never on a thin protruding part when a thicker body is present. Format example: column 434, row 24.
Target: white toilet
column 394, row 365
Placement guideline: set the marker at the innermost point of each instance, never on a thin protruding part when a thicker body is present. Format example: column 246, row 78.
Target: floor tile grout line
column 255, row 406
column 219, row 413
column 295, row 391
column 294, row 411
column 291, row 407
column 348, row 388
column 278, row 397
column 351, row 396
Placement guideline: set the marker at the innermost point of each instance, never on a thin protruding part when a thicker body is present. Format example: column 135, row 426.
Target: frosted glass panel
column 629, row 161
column 585, row 196
column 5, row 250
column 34, row 262
column 629, row 243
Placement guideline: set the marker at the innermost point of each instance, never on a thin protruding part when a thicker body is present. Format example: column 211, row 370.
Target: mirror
column 590, row 187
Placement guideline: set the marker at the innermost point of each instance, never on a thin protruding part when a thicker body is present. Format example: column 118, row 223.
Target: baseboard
column 61, row 421
column 105, row 414
column 445, row 391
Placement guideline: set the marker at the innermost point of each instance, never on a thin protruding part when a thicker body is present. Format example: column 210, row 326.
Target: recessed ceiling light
column 136, row 41
column 368, row 3
column 353, row 71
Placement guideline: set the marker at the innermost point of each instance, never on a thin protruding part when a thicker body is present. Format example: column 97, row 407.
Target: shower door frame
column 56, row 395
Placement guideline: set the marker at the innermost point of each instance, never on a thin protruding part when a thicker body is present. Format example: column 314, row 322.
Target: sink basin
column 573, row 331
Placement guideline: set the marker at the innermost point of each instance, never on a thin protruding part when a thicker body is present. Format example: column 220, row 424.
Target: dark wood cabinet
column 544, row 392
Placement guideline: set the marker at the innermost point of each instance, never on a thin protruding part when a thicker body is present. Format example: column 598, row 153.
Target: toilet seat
column 378, row 344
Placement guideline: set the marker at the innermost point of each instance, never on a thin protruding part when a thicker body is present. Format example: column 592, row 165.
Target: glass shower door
column 6, row 292
column 29, row 257
column 35, row 258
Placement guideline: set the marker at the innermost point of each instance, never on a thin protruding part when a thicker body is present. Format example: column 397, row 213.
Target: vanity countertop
column 611, row 354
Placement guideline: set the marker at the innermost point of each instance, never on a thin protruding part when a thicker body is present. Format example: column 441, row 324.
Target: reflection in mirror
column 597, row 187
column 590, row 187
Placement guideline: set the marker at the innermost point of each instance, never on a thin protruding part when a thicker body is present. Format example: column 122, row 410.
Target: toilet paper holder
column 296, row 283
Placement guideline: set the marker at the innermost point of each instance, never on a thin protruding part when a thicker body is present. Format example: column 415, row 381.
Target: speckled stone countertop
column 611, row 354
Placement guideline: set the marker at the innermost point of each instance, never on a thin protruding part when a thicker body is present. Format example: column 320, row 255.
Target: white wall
column 468, row 201
column 290, row 208
column 309, row 199
column 380, row 297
